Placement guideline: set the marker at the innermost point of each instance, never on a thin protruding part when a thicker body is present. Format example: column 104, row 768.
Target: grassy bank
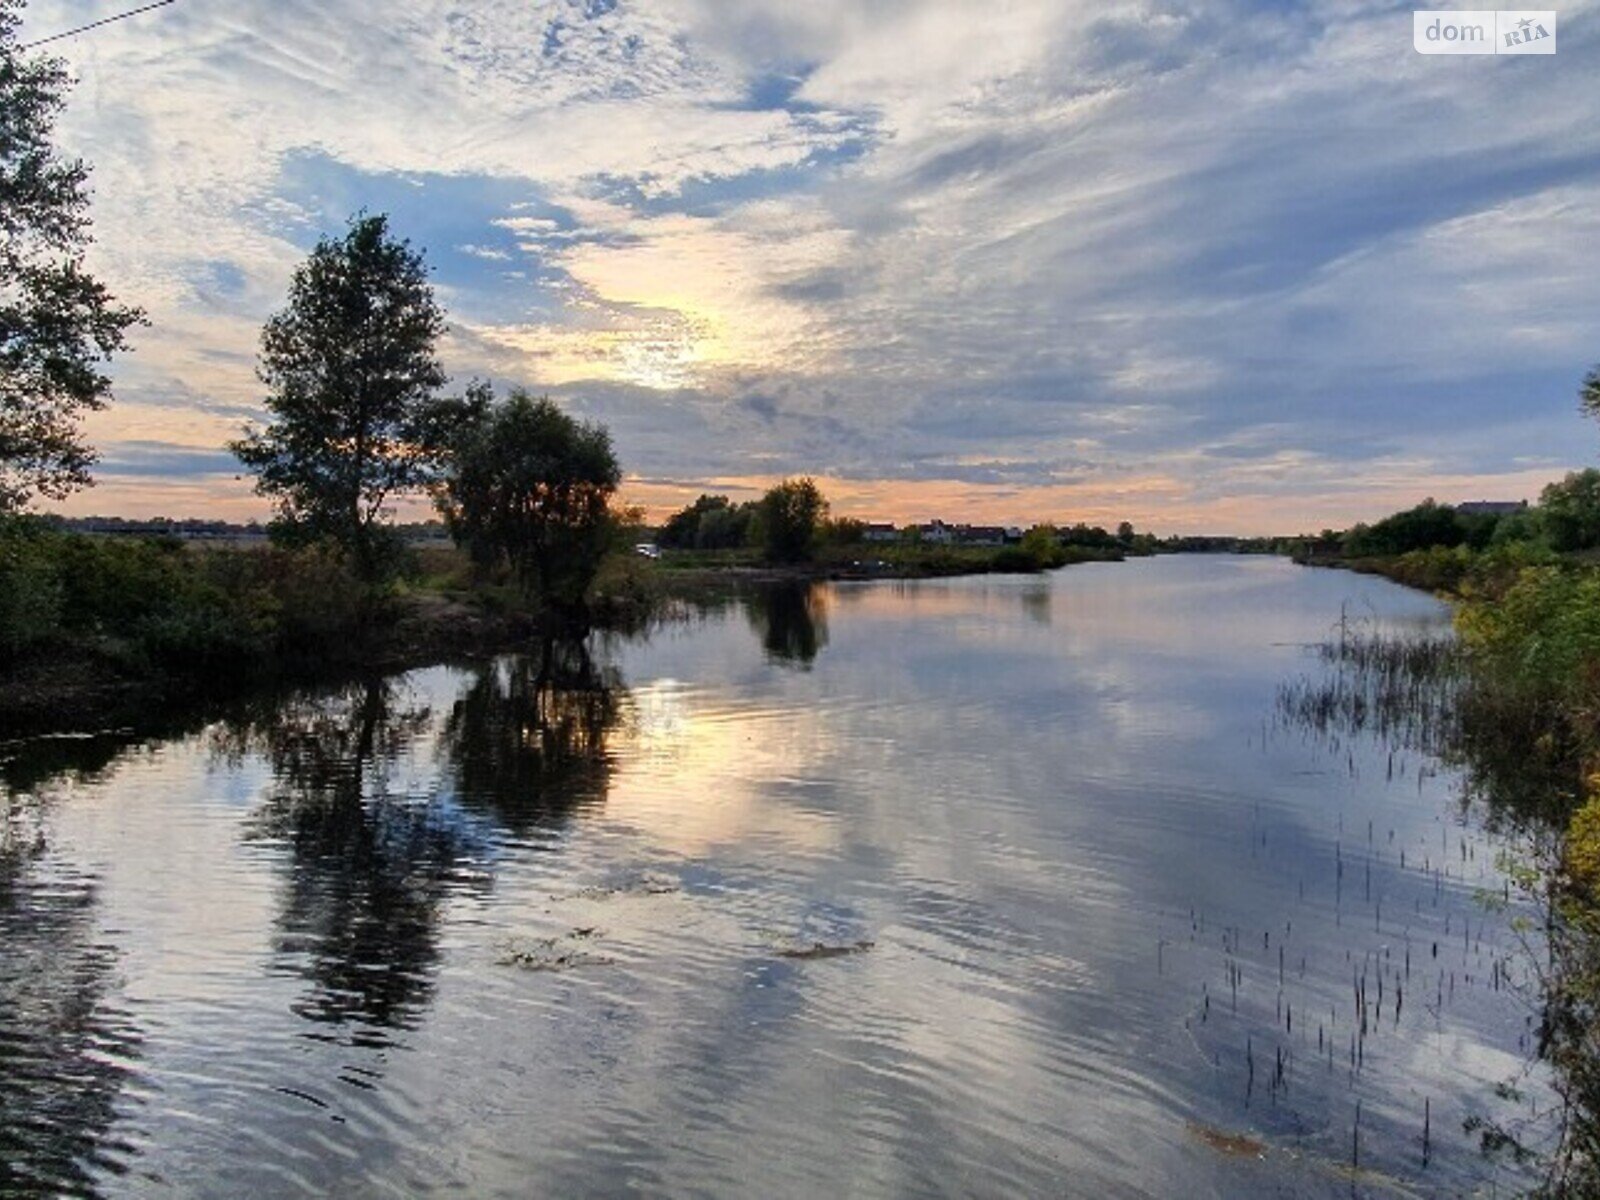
column 1451, row 571
column 888, row 560
column 93, row 627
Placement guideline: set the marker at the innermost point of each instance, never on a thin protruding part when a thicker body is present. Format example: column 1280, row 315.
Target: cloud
column 163, row 460
column 1270, row 258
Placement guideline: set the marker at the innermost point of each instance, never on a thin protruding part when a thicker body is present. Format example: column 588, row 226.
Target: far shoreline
column 81, row 688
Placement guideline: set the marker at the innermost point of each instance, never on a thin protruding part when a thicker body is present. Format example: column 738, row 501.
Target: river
column 985, row 886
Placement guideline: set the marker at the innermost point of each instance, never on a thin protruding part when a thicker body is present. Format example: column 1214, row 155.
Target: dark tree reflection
column 791, row 620
column 527, row 739
column 370, row 866
column 65, row 1044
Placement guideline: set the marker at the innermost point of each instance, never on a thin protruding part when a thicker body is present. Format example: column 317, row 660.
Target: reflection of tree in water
column 64, row 1042
column 371, row 866
column 369, row 870
column 1037, row 603
column 527, row 739
column 791, row 620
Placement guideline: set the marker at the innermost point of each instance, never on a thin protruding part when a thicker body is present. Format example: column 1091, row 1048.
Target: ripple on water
column 990, row 887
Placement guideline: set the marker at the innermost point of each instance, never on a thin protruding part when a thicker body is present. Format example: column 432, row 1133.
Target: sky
column 1209, row 267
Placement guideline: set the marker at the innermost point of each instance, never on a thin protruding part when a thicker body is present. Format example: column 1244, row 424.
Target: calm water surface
column 981, row 886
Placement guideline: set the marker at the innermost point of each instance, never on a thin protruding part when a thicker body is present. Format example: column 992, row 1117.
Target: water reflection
column 790, row 620
column 527, row 739
column 67, row 1046
column 368, row 866
column 1006, row 892
column 1522, row 777
column 386, row 811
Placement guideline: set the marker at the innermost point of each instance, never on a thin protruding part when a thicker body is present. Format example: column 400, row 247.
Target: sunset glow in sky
column 1204, row 266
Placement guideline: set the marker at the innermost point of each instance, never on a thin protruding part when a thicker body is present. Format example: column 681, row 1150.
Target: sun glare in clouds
column 666, row 302
column 1263, row 273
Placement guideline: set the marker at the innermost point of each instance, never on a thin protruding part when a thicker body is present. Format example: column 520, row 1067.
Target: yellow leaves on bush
column 1582, row 857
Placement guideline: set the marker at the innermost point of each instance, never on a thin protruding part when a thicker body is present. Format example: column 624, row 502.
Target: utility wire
column 56, row 37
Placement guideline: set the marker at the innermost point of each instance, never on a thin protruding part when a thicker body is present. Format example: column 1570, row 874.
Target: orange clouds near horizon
column 1154, row 502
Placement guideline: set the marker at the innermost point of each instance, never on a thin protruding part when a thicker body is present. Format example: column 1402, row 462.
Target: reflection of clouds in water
column 695, row 774
column 1013, row 811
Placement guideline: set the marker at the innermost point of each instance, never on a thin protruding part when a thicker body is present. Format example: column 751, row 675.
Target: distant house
column 1491, row 508
column 879, row 531
column 938, row 532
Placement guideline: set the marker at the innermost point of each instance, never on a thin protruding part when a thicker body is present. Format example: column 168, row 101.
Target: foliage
column 58, row 324
column 1542, row 635
column 1041, row 546
column 710, row 523
column 1570, row 511
column 1534, row 652
column 1589, row 393
column 790, row 519
column 531, row 487
column 1522, row 528
column 353, row 377
column 1582, row 851
column 151, row 603
column 30, row 589
column 844, row 531
column 1428, row 524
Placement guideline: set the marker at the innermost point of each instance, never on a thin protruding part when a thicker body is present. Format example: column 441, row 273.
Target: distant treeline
column 200, row 528
column 717, row 522
column 1441, row 546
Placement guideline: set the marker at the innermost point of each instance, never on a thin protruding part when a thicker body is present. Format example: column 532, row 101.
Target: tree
column 790, row 517
column 531, row 487
column 1569, row 511
column 710, row 523
column 1042, row 546
column 353, row 377
column 844, row 531
column 59, row 325
column 1589, row 393
column 1428, row 524
column 725, row 528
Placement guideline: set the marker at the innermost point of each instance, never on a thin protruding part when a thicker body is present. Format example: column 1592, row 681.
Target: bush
column 1570, row 511
column 1541, row 637
column 154, row 603
column 30, row 590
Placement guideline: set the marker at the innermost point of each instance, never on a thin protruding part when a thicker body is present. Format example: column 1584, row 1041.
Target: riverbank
column 98, row 631
column 1449, row 571
column 680, row 572
column 1521, row 721
column 97, row 683
column 1441, row 574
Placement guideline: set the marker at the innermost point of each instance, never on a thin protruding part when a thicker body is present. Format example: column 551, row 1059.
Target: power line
column 56, row 37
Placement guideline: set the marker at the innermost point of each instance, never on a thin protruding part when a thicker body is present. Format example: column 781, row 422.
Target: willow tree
column 354, row 380
column 790, row 518
column 530, row 487
column 59, row 326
